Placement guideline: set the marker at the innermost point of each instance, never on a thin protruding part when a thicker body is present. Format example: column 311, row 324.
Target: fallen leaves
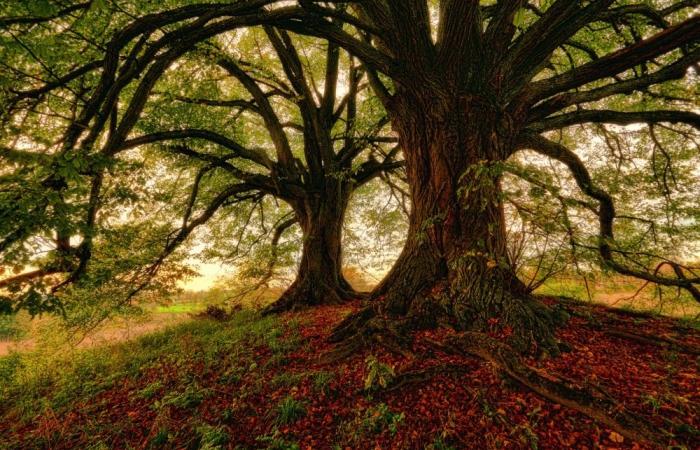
column 616, row 438
column 474, row 408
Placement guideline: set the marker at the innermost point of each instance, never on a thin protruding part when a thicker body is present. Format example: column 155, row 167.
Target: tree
column 463, row 94
column 320, row 127
column 468, row 86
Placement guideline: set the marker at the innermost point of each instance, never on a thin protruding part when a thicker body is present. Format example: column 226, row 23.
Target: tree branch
column 675, row 71
column 257, row 156
column 661, row 43
column 606, row 215
column 616, row 117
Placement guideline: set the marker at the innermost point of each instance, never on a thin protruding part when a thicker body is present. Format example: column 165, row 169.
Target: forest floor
column 259, row 382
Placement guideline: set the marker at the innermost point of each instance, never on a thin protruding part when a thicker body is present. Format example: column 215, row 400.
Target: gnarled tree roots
column 307, row 292
column 523, row 322
column 589, row 400
column 524, row 325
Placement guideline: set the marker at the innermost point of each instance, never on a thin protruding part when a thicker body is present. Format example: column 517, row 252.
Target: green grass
column 11, row 328
column 286, row 379
column 289, row 410
column 621, row 293
column 43, row 378
column 180, row 308
column 322, row 380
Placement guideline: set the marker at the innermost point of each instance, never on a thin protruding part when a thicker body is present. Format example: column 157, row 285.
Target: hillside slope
column 253, row 382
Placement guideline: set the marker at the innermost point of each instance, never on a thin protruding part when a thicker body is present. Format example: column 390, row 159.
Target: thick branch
column 560, row 22
column 257, row 156
column 615, row 117
column 606, row 214
column 661, row 43
column 675, row 71
column 272, row 122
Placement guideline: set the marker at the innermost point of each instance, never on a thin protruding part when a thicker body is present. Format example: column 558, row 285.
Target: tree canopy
column 603, row 91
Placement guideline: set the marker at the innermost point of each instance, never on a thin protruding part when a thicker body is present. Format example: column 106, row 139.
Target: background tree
column 313, row 154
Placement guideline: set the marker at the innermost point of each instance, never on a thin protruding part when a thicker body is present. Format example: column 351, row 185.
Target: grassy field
column 33, row 388
column 21, row 333
column 626, row 294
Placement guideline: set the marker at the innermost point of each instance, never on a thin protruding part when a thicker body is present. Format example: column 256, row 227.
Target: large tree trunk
column 454, row 267
column 319, row 279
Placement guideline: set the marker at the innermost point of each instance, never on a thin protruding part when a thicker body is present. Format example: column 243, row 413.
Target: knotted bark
column 454, row 268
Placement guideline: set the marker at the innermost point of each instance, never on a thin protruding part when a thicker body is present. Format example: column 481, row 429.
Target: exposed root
column 599, row 407
column 306, row 294
column 419, row 376
column 646, row 338
column 365, row 329
column 352, row 324
column 526, row 323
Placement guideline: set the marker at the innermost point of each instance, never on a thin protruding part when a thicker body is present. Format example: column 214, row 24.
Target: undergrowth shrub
column 373, row 420
column 379, row 374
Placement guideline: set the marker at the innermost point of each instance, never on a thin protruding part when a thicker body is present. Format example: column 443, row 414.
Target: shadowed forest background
column 349, row 224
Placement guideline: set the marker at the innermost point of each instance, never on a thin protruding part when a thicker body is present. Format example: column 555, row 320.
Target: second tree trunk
column 319, row 278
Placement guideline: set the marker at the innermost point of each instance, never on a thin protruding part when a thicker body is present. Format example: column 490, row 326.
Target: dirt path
column 110, row 334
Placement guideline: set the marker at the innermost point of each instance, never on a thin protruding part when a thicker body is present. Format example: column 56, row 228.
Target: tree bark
column 319, row 279
column 454, row 268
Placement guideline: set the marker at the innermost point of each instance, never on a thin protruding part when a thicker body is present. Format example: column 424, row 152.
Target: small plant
column 276, row 360
column 227, row 415
column 322, row 380
column 215, row 313
column 289, row 410
column 379, row 374
column 527, row 436
column 273, row 441
column 439, row 444
column 373, row 420
column 652, row 401
column 191, row 397
column 380, row 417
column 287, row 379
column 212, row 437
column 161, row 438
column 151, row 390
column 232, row 375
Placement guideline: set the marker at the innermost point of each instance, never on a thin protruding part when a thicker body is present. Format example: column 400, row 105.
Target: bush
column 215, row 312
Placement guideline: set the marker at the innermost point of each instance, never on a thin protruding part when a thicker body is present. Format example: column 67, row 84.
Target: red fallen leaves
column 473, row 408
